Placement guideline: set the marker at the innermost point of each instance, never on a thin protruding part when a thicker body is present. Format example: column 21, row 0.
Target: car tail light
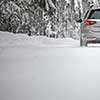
column 89, row 22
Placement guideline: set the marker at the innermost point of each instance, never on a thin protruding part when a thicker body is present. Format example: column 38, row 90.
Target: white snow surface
column 39, row 68
column 10, row 39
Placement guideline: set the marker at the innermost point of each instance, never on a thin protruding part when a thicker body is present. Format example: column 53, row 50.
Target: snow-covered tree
column 54, row 18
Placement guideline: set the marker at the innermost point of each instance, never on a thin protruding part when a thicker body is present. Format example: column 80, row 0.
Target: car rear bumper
column 86, row 41
column 93, row 41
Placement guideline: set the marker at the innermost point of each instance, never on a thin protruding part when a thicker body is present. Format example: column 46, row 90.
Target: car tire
column 86, row 44
column 81, row 42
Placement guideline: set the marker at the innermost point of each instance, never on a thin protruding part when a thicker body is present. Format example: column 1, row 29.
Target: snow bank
column 10, row 39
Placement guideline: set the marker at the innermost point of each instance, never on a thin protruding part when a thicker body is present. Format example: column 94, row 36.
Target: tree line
column 52, row 18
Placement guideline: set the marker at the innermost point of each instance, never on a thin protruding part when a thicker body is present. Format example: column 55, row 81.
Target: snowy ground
column 39, row 68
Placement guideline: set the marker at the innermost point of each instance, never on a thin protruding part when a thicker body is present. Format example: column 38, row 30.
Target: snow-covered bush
column 53, row 18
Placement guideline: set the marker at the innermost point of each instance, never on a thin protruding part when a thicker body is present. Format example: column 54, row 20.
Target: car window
column 94, row 14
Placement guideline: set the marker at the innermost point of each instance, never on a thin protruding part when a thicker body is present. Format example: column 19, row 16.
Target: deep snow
column 39, row 68
column 10, row 39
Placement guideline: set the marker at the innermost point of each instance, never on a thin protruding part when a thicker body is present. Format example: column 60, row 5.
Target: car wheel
column 81, row 42
column 86, row 44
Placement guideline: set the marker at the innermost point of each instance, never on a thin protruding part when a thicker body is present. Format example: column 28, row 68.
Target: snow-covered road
column 38, row 68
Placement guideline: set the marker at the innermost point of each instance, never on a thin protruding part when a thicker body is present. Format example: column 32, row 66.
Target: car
column 90, row 27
